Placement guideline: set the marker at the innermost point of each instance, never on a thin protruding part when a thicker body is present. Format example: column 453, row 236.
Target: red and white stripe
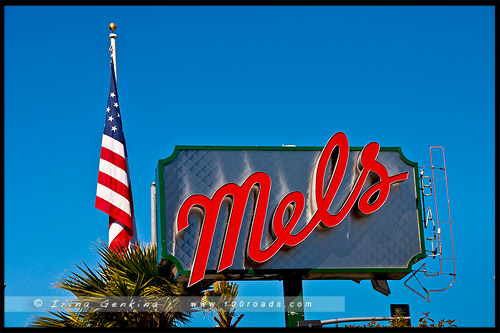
column 114, row 194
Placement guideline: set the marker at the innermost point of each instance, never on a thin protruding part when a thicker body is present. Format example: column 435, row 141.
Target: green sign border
column 322, row 273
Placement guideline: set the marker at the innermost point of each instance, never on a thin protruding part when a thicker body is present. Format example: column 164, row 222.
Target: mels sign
column 259, row 212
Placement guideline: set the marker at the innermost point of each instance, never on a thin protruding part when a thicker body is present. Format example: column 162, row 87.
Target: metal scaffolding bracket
column 436, row 186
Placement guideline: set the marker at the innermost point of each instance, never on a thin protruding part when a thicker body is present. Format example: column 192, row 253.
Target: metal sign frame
column 278, row 274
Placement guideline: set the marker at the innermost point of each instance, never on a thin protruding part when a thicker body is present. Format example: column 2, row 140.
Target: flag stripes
column 115, row 229
column 109, row 168
column 115, row 200
column 116, row 185
column 114, row 145
column 114, row 158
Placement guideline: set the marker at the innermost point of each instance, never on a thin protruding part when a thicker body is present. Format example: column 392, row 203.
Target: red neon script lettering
column 369, row 202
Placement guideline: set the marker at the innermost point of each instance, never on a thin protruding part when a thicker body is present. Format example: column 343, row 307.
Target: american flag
column 114, row 193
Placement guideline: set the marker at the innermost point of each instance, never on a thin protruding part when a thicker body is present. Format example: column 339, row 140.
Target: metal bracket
column 437, row 226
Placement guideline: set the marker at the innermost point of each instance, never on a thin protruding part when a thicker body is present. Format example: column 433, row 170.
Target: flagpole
column 112, row 48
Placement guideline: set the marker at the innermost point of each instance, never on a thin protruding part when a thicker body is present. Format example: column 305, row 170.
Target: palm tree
column 224, row 294
column 134, row 272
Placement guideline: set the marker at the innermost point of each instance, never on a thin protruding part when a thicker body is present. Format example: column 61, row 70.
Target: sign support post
column 294, row 302
column 154, row 238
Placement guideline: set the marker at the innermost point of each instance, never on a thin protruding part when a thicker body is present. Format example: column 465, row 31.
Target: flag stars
column 110, row 118
column 118, row 115
column 108, row 109
column 115, row 105
column 114, row 128
column 112, row 95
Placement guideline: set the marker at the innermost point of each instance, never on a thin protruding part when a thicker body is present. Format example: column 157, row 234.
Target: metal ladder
column 431, row 186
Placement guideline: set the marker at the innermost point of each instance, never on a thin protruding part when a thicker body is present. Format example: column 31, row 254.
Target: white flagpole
column 153, row 215
column 112, row 37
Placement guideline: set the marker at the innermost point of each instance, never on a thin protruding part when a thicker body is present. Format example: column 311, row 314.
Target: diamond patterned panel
column 389, row 238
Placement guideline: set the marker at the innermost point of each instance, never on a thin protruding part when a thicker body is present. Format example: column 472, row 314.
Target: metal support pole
column 153, row 215
column 294, row 303
column 320, row 323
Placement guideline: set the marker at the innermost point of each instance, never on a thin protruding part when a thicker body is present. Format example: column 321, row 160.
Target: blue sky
column 403, row 76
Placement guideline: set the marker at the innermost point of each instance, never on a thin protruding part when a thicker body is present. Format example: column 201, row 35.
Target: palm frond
column 62, row 319
column 132, row 272
column 89, row 284
column 219, row 299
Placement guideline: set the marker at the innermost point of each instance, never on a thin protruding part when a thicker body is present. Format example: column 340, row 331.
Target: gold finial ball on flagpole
column 112, row 27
